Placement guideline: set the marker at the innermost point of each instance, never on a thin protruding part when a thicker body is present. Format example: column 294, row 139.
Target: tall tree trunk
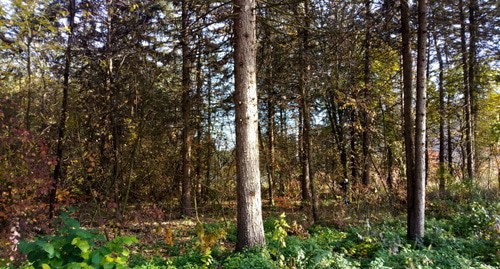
column 187, row 134
column 469, row 154
column 407, row 110
column 250, row 231
column 57, row 174
column 270, row 146
column 271, row 110
column 449, row 137
column 112, row 101
column 365, row 134
column 354, row 153
column 199, row 128
column 442, row 116
column 304, row 114
column 388, row 149
column 336, row 121
column 390, row 164
column 30, row 90
column 418, row 217
column 471, row 167
column 308, row 187
column 208, row 158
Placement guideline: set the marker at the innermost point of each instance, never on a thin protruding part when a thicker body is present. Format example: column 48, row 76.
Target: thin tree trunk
column 388, row 149
column 442, row 116
column 30, row 90
column 208, row 158
column 187, row 136
column 270, row 148
column 57, row 175
column 365, row 134
column 250, row 231
column 271, row 112
column 390, row 164
column 469, row 154
column 308, row 186
column 407, row 110
column 354, row 153
column 304, row 103
column 418, row 216
column 449, row 144
column 471, row 168
column 199, row 128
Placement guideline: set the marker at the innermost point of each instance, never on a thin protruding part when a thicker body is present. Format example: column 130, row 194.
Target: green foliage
column 75, row 247
column 473, row 221
column 255, row 258
column 464, row 238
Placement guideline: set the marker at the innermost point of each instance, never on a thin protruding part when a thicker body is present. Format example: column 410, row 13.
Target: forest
column 249, row 134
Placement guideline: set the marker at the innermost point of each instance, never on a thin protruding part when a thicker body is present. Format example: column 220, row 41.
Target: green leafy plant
column 75, row 247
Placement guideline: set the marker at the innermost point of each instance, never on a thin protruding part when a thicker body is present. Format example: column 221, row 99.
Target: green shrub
column 75, row 247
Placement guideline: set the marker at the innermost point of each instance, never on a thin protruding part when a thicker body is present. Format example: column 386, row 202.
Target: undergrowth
column 461, row 233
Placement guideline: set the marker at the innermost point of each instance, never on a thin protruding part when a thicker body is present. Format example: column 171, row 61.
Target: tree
column 466, row 69
column 472, row 88
column 417, row 214
column 249, row 208
column 307, row 184
column 442, row 116
column 407, row 109
column 365, row 134
column 61, row 129
column 187, row 134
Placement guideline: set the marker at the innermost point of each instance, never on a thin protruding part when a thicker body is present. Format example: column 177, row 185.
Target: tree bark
column 271, row 110
column 30, row 91
column 304, row 106
column 418, row 217
column 354, row 153
column 442, row 116
column 308, row 187
column 270, row 146
column 407, row 110
column 250, row 231
column 469, row 153
column 187, row 133
column 471, row 167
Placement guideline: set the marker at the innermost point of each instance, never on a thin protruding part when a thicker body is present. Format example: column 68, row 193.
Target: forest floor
column 462, row 231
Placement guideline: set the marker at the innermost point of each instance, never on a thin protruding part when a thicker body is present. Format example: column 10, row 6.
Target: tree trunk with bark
column 187, row 132
column 416, row 228
column 250, row 231
column 469, row 153
column 442, row 116
column 407, row 109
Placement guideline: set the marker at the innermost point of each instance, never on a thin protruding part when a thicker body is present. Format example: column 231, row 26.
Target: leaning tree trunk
column 249, row 209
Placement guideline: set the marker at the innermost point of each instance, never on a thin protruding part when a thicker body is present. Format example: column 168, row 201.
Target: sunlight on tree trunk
column 249, row 212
